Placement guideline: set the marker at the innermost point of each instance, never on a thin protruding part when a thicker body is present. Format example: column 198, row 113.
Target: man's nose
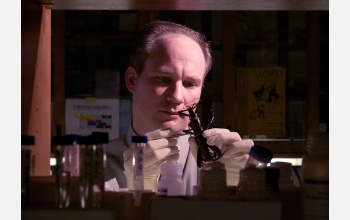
column 176, row 93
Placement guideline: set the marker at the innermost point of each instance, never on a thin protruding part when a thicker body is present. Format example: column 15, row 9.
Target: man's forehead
column 166, row 39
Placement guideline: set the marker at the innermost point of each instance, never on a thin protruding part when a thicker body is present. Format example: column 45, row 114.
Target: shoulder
column 116, row 146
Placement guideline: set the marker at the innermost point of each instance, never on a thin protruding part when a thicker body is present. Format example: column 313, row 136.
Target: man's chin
column 174, row 127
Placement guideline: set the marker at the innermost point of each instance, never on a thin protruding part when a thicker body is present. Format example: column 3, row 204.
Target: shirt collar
column 129, row 134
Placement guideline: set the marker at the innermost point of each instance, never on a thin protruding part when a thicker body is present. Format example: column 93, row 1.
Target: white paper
column 84, row 116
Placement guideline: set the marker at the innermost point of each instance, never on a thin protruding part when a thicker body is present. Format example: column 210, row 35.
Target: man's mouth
column 171, row 113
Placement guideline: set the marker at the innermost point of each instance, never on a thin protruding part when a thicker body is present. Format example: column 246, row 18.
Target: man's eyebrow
column 196, row 79
column 164, row 70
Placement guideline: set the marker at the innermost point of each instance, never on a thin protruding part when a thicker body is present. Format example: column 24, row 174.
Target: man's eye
column 190, row 84
column 163, row 79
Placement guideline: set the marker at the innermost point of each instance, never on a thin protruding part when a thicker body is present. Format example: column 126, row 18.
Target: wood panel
column 36, row 82
column 30, row 30
column 229, row 73
column 313, row 72
column 190, row 5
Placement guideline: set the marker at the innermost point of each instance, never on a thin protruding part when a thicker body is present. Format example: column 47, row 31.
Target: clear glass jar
column 61, row 148
column 139, row 145
column 92, row 169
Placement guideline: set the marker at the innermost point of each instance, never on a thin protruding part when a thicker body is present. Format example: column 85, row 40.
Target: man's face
column 172, row 79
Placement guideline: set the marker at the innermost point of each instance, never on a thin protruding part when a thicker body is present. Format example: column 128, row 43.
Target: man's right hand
column 158, row 149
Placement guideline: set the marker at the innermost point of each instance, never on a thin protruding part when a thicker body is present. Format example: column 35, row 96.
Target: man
column 167, row 69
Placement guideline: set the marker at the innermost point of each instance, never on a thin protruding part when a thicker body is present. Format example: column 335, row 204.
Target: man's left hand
column 234, row 148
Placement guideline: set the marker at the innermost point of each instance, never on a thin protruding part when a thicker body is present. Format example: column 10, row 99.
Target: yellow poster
column 261, row 102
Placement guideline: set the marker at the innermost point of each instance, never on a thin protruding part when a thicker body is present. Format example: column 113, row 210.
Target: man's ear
column 130, row 78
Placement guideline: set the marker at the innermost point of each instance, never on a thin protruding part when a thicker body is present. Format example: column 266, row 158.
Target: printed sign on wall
column 84, row 116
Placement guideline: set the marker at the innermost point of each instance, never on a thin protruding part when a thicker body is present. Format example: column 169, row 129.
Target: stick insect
column 204, row 153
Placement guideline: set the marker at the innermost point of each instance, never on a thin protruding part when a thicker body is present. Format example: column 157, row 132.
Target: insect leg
column 182, row 113
column 211, row 121
column 217, row 152
column 190, row 131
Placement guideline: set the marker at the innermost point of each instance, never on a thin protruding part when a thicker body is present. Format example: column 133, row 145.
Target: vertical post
column 313, row 72
column 229, row 78
column 58, row 71
column 283, row 38
column 36, row 82
column 282, row 19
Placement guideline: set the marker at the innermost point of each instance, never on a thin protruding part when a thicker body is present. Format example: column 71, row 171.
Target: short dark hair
column 146, row 42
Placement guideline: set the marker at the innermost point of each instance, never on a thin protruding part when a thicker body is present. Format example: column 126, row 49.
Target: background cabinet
column 97, row 44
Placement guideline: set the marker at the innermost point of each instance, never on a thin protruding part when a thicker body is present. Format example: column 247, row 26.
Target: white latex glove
column 234, row 148
column 158, row 150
